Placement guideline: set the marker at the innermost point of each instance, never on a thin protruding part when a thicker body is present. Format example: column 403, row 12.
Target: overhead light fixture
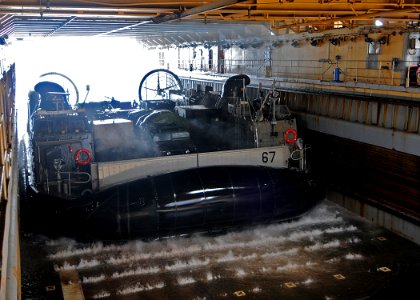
column 276, row 44
column 295, row 44
column 335, row 41
column 383, row 40
column 378, row 23
column 315, row 42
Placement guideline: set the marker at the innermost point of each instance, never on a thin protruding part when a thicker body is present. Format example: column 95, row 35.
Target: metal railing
column 69, row 182
column 372, row 71
column 10, row 258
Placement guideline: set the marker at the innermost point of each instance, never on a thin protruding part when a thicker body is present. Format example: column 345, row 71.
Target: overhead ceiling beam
column 178, row 15
column 84, row 11
column 228, row 10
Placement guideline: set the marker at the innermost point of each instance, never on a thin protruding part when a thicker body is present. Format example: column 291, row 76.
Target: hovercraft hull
column 194, row 200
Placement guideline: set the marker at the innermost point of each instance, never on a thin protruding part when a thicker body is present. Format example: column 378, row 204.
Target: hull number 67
column 268, row 157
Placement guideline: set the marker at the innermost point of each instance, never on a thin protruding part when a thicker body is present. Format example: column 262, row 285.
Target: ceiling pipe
column 214, row 5
column 369, row 16
column 68, row 21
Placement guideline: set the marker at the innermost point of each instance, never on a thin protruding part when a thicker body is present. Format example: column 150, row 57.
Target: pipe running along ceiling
column 172, row 22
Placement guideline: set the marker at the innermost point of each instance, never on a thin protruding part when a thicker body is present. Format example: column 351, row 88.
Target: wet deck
column 328, row 254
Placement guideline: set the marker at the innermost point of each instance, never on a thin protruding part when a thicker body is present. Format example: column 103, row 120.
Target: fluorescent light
column 378, row 23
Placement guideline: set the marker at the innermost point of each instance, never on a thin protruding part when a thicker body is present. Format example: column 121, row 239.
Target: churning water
column 327, row 254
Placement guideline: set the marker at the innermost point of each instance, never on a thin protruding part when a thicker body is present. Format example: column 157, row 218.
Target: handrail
column 69, row 181
column 385, row 72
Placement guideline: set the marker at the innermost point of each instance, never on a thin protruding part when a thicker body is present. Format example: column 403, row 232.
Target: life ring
column 82, row 162
column 287, row 138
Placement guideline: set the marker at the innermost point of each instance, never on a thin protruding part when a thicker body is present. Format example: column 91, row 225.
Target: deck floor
column 327, row 254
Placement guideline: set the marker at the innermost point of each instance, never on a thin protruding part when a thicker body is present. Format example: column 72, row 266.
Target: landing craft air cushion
column 200, row 163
